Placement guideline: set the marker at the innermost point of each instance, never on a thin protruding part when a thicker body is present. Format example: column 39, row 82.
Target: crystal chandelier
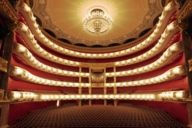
column 97, row 21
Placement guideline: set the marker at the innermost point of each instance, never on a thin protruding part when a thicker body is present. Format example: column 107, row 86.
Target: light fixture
column 171, row 74
column 97, row 21
column 40, row 96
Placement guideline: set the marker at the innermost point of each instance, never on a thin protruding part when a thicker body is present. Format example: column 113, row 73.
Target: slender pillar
column 6, row 40
column 104, row 86
column 187, row 42
column 6, row 55
column 115, row 87
column 184, row 12
column 185, row 24
column 80, row 87
column 90, row 87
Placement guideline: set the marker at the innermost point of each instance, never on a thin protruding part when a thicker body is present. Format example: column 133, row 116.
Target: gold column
column 90, row 87
column 80, row 88
column 5, row 60
column 115, row 87
column 105, row 88
column 3, row 65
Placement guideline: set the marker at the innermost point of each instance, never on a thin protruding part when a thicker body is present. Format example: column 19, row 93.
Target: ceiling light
column 97, row 21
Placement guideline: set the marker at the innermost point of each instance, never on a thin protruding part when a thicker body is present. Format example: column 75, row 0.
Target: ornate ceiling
column 64, row 18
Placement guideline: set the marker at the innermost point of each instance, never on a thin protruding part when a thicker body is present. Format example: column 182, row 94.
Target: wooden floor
column 98, row 116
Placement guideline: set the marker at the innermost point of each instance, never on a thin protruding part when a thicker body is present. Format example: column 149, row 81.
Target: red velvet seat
column 98, row 116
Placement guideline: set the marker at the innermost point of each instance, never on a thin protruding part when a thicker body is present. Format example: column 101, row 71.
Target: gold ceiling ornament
column 97, row 21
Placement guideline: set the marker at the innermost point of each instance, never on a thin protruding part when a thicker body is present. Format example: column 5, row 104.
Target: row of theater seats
column 98, row 116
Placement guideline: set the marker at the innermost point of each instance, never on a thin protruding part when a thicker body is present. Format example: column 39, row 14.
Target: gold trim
column 184, row 12
column 1, row 94
column 190, row 65
column 153, row 12
column 3, row 65
column 8, row 9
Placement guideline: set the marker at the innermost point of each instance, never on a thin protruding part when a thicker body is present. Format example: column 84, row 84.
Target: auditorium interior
column 95, row 63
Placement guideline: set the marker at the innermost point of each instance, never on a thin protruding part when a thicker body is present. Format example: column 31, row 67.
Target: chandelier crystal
column 97, row 21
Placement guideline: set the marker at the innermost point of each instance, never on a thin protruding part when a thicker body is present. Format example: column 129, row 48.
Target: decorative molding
column 6, row 7
column 39, row 10
column 190, row 65
column 183, row 14
column 1, row 94
column 3, row 65
column 97, row 77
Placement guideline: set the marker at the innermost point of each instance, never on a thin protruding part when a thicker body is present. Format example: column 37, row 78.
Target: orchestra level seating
column 98, row 116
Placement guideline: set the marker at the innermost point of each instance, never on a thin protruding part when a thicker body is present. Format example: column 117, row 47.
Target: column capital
column 184, row 13
column 8, row 9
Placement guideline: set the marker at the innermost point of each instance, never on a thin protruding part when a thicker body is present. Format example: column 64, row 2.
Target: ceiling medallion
column 97, row 21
